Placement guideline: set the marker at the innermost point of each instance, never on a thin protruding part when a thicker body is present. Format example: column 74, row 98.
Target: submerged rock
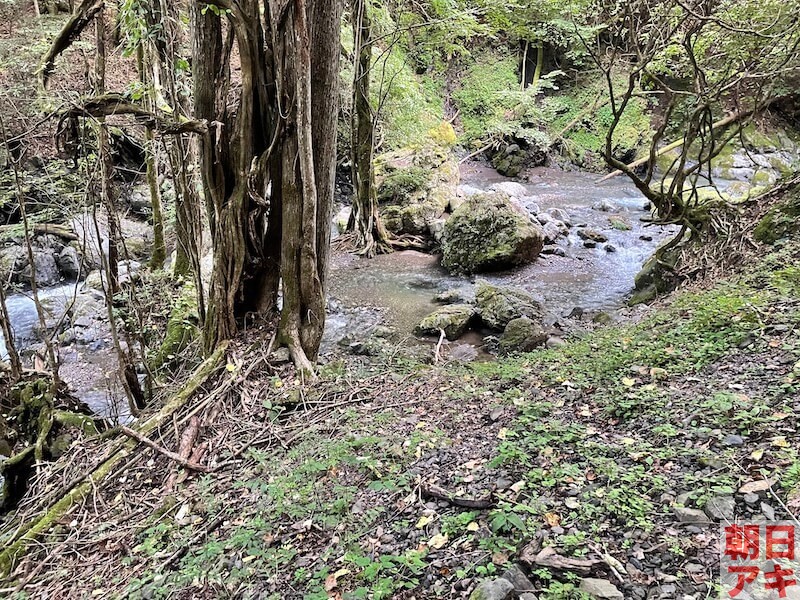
column 499, row 305
column 454, row 319
column 592, row 235
column 489, row 232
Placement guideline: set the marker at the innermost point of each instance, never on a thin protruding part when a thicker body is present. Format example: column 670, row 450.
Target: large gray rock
column 69, row 263
column 12, row 261
column 416, row 186
column 489, row 232
column 454, row 319
column 599, row 588
column 45, row 267
column 499, row 305
column 522, row 335
column 493, row 589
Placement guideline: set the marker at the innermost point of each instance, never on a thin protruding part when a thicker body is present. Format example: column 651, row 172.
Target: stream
column 397, row 290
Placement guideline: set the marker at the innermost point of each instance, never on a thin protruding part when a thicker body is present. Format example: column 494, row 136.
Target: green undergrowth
column 491, row 104
column 612, row 433
column 619, row 427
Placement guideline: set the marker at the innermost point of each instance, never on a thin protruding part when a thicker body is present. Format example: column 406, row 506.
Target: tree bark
column 365, row 223
column 269, row 173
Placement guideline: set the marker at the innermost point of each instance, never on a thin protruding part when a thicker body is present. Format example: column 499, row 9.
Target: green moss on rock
column 453, row 319
column 780, row 221
column 498, row 305
column 489, row 232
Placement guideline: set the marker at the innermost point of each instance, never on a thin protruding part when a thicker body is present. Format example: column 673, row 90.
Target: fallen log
column 16, row 536
column 63, row 231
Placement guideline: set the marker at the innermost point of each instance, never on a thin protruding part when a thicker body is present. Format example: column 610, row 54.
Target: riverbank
column 620, row 451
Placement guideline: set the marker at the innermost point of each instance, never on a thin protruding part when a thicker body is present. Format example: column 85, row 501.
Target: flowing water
column 398, row 289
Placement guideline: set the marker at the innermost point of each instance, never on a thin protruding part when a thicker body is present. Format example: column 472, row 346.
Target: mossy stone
column 488, row 233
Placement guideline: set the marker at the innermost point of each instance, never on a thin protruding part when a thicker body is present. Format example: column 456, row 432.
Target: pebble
column 689, row 515
column 733, row 440
column 751, row 498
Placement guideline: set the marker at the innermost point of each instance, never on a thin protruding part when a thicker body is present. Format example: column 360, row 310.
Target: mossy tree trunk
column 159, row 245
column 365, row 223
column 282, row 139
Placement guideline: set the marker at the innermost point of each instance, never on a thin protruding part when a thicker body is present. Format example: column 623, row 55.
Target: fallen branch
column 113, row 104
column 84, row 14
column 16, row 537
column 171, row 455
column 438, row 347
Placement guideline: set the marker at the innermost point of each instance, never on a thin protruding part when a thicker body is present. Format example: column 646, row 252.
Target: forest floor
column 623, row 449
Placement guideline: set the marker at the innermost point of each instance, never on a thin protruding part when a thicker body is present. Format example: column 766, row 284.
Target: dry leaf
column 552, row 519
column 760, row 485
column 438, row 541
column 423, row 521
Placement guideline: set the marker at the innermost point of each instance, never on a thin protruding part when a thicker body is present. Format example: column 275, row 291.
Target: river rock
column 12, row 261
column 605, row 206
column 554, row 230
column 454, row 319
column 488, row 232
column 522, row 335
column 592, row 235
column 466, row 191
column 599, row 588
column 561, row 215
column 529, row 204
column 415, row 188
column 499, row 305
column 46, row 269
column 69, row 263
column 511, row 188
column 493, row 589
column 140, row 204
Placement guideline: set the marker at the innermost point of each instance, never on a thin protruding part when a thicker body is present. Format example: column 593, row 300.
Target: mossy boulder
column 415, row 188
column 655, row 277
column 780, row 221
column 489, row 233
column 498, row 305
column 522, row 335
column 454, row 319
